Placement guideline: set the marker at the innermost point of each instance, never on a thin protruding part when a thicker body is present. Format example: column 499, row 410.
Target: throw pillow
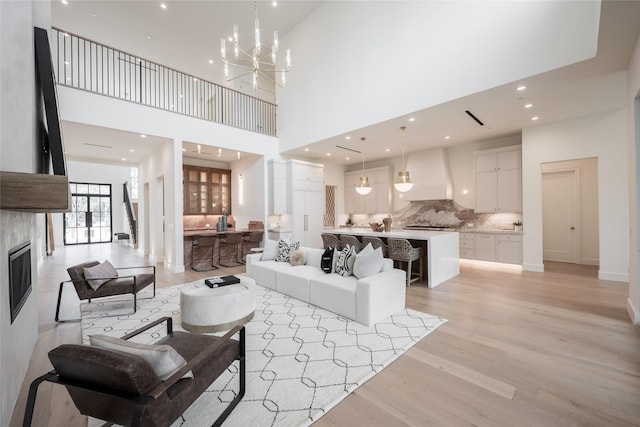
column 368, row 262
column 285, row 249
column 270, row 250
column 344, row 264
column 164, row 359
column 298, row 257
column 100, row 274
column 326, row 262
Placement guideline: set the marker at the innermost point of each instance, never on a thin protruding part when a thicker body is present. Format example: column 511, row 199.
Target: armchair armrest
column 138, row 331
column 177, row 376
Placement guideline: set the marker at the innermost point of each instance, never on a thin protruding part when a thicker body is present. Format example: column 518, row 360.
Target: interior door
column 560, row 216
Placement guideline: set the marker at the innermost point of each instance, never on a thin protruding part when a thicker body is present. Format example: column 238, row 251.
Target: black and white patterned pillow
column 344, row 264
column 285, row 249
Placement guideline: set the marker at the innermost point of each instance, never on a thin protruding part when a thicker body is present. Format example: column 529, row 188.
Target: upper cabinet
column 378, row 201
column 499, row 180
column 206, row 191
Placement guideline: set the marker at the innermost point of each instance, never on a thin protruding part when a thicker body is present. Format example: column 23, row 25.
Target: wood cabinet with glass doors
column 206, row 191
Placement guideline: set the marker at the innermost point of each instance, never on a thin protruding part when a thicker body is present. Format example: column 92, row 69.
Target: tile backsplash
column 443, row 213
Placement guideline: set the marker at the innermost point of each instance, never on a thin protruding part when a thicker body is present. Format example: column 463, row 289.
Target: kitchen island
column 441, row 261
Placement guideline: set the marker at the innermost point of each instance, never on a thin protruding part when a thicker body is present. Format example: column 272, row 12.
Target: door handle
column 306, row 223
column 572, row 228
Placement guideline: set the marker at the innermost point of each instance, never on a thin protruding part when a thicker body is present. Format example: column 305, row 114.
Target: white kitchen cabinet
column 378, row 201
column 278, row 188
column 467, row 245
column 486, row 247
column 306, row 201
column 509, row 248
column 498, row 180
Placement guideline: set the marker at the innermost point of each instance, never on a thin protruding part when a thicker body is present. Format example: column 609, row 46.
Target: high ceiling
column 186, row 36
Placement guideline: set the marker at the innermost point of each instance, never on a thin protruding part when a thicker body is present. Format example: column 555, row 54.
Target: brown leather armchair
column 126, row 284
column 122, row 388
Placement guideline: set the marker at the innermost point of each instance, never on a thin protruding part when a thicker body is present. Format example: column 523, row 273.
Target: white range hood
column 429, row 171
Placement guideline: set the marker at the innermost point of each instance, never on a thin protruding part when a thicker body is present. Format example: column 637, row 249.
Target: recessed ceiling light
column 149, row 36
column 274, row 3
column 184, row 149
column 230, row 38
column 162, row 5
column 521, row 88
column 238, row 155
column 412, row 119
column 348, row 137
column 65, row 2
column 142, row 135
column 328, row 154
column 306, row 149
column 347, row 158
column 132, row 150
column 528, row 105
column 123, row 159
column 447, row 137
column 535, row 118
column 387, row 149
column 211, row 61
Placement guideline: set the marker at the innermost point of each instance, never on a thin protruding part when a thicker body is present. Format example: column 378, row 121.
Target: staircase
column 132, row 214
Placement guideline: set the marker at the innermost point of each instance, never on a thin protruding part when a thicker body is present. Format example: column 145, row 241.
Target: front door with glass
column 90, row 219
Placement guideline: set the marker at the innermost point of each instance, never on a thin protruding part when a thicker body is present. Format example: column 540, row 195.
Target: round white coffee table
column 206, row 309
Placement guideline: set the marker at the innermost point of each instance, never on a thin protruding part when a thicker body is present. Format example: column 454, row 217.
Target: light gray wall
column 17, row 154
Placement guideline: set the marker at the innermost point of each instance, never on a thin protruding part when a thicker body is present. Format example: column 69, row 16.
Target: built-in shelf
column 33, row 192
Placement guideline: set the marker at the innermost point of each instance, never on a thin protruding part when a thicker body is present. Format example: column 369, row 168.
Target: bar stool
column 330, row 240
column 401, row 250
column 199, row 244
column 351, row 241
column 231, row 239
column 251, row 240
column 376, row 243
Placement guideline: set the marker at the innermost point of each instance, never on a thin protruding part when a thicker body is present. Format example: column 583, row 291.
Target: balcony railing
column 84, row 64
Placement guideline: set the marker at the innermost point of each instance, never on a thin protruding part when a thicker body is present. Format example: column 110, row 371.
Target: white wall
column 603, row 136
column 379, row 60
column 97, row 173
column 633, row 127
column 588, row 205
column 249, row 197
column 18, row 154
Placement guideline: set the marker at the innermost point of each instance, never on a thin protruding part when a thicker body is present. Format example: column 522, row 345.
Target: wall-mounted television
column 19, row 277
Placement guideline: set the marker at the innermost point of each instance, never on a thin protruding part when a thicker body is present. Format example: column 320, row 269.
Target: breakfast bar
column 441, row 260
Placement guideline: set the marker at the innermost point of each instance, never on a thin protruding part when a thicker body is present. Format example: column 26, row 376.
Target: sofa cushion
column 285, row 249
column 326, row 264
column 264, row 272
column 295, row 281
column 270, row 250
column 344, row 263
column 368, row 262
column 100, row 274
column 297, row 258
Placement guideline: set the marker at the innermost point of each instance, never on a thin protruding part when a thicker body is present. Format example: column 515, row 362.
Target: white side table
column 206, row 310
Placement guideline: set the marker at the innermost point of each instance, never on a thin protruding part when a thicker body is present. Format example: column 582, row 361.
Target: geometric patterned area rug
column 301, row 360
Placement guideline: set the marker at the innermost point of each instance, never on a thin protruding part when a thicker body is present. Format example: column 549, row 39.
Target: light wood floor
column 520, row 349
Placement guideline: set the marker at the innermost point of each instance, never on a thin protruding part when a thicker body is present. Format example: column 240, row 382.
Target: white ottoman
column 206, row 309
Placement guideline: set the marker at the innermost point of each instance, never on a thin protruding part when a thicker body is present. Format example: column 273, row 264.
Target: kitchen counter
column 210, row 232
column 441, row 261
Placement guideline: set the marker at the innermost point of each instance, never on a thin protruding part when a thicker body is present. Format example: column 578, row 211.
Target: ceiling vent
column 477, row 120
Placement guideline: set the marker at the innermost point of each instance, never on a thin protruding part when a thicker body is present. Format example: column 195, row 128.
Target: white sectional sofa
column 366, row 300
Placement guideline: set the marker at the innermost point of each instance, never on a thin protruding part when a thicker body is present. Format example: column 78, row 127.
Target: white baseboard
column 614, row 277
column 633, row 313
column 538, row 268
column 174, row 268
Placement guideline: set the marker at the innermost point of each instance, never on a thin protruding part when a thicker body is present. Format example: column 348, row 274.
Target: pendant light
column 403, row 183
column 363, row 187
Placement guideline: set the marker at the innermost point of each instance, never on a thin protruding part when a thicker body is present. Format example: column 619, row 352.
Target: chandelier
column 363, row 186
column 403, row 183
column 260, row 61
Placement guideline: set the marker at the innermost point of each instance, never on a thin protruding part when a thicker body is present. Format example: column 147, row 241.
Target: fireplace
column 19, row 277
